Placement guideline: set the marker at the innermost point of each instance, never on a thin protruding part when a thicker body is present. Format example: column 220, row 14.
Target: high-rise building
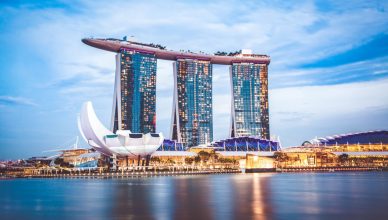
column 134, row 97
column 134, row 105
column 249, row 100
column 192, row 119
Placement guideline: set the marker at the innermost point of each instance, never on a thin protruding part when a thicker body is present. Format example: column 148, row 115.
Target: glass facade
column 247, row 144
column 193, row 116
column 137, row 92
column 249, row 100
column 171, row 145
column 371, row 137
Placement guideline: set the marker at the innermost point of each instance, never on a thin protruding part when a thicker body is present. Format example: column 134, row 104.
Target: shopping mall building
column 354, row 149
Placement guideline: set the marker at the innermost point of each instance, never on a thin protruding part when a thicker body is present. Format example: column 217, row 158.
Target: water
column 362, row 195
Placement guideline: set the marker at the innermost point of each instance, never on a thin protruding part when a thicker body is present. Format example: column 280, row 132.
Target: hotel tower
column 134, row 102
column 192, row 114
column 192, row 118
column 249, row 82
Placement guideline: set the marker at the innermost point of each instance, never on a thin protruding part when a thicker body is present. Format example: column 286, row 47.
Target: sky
column 328, row 73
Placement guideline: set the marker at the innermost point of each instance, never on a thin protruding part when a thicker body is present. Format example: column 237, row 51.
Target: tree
column 189, row 160
column 219, row 53
column 59, row 161
column 155, row 159
column 197, row 159
column 204, row 155
column 226, row 160
column 215, row 156
column 343, row 158
column 281, row 157
column 170, row 161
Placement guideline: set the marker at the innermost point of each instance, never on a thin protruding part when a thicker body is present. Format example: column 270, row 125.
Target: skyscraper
column 134, row 96
column 192, row 108
column 134, row 102
column 249, row 100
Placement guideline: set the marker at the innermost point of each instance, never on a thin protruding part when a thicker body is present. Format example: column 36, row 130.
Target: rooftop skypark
column 223, row 58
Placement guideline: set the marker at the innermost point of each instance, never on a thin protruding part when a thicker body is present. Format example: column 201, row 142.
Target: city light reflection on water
column 237, row 196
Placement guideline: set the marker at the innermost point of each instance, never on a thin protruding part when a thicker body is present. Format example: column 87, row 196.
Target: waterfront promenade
column 226, row 196
column 151, row 171
column 136, row 171
column 329, row 169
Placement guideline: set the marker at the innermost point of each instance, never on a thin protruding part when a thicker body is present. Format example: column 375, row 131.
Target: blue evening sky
column 328, row 74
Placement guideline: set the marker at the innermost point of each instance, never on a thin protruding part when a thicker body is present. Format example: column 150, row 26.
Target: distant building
column 192, row 122
column 173, row 151
column 255, row 163
column 134, row 103
column 171, row 145
column 306, row 157
column 363, row 149
column 121, row 144
column 247, row 144
column 361, row 144
column 360, row 138
column 71, row 155
column 249, row 100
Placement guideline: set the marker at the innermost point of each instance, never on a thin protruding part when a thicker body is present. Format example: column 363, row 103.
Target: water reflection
column 252, row 196
column 130, row 201
column 163, row 204
column 240, row 196
column 193, row 197
column 261, row 204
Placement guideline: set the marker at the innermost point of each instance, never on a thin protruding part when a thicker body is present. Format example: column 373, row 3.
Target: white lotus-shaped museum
column 122, row 144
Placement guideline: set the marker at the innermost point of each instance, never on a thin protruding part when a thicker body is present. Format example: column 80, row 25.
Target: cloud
column 66, row 72
column 300, row 113
column 13, row 100
column 293, row 34
column 329, row 100
column 378, row 72
column 353, row 72
column 373, row 48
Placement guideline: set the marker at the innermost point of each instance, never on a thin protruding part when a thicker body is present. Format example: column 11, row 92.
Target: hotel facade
column 134, row 102
column 192, row 122
column 249, row 82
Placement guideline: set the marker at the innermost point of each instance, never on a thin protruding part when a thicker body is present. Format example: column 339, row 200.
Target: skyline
column 320, row 54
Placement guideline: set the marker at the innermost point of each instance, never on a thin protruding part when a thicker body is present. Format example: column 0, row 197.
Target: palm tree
column 189, row 160
column 343, row 158
column 204, row 156
column 280, row 157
